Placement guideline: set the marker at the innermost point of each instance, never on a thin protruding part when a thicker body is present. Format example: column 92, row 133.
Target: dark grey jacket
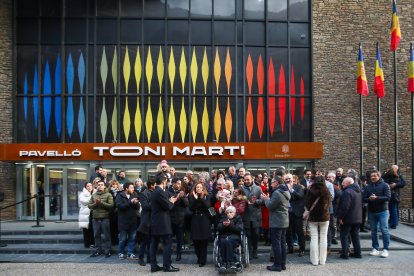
column 297, row 200
column 253, row 212
column 383, row 193
column 350, row 205
column 278, row 205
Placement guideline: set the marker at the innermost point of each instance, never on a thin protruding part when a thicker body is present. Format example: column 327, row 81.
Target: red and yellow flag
column 362, row 84
column 411, row 70
column 395, row 28
column 379, row 76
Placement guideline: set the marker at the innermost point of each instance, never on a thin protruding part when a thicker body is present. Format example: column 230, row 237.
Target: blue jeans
column 393, row 207
column 382, row 219
column 125, row 235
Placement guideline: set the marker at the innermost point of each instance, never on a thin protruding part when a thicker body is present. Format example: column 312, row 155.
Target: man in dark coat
column 178, row 213
column 296, row 209
column 377, row 194
column 144, row 227
column 128, row 205
column 161, row 205
column 396, row 181
column 349, row 214
column 252, row 218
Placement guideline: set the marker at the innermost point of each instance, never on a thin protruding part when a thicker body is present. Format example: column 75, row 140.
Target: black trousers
column 295, row 226
column 227, row 244
column 252, row 235
column 278, row 237
column 166, row 255
column 353, row 231
column 144, row 247
column 200, row 247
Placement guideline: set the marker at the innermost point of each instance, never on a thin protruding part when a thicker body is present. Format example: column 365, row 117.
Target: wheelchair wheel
column 245, row 252
column 215, row 251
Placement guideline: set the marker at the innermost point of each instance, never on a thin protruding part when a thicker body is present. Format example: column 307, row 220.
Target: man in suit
column 296, row 208
column 161, row 229
column 307, row 178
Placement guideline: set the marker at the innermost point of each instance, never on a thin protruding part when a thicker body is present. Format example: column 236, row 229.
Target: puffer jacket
column 84, row 211
column 383, row 193
column 103, row 209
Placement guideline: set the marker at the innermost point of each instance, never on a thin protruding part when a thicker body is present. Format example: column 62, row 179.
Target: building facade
column 273, row 81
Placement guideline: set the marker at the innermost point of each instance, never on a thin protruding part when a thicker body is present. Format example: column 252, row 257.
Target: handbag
column 307, row 212
column 212, row 212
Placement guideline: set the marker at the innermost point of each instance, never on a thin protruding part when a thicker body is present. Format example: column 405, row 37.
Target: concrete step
column 78, row 248
column 46, row 239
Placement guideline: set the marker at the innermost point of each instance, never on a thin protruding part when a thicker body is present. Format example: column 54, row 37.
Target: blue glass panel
column 35, row 99
column 58, row 92
column 46, row 99
column 69, row 113
column 25, row 97
column 81, row 114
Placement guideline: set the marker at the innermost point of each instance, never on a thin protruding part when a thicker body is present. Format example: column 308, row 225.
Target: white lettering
column 100, row 150
column 113, row 151
column 242, row 150
column 23, row 153
column 156, row 152
column 32, row 153
column 199, row 151
column 215, row 150
column 177, row 151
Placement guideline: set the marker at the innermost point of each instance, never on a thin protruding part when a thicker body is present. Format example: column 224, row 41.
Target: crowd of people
column 280, row 208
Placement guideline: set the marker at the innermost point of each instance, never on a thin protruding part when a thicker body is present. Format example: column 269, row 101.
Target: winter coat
column 180, row 206
column 320, row 212
column 145, row 201
column 383, row 193
column 253, row 214
column 350, row 205
column 200, row 218
column 127, row 211
column 389, row 177
column 278, row 205
column 297, row 200
column 233, row 229
column 104, row 208
column 84, row 211
column 160, row 212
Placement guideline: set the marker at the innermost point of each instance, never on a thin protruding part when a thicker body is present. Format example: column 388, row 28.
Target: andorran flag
column 362, row 84
column 379, row 76
column 411, row 70
column 395, row 28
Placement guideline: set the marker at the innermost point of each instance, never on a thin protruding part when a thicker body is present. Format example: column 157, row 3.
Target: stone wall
column 338, row 28
column 7, row 170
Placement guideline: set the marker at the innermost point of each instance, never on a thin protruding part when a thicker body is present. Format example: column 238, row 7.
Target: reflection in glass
column 154, row 8
column 177, row 8
column 255, row 33
column 299, row 10
column 201, row 8
column 254, row 9
column 224, row 8
column 277, row 33
column 55, row 190
column 76, row 177
column 277, row 9
column 299, row 34
column 27, row 191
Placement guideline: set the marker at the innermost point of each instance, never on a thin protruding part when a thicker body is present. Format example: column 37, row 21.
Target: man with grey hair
column 232, row 174
column 330, row 178
column 349, row 215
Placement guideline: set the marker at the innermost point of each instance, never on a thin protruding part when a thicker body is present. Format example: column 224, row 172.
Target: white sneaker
column 385, row 253
column 374, row 252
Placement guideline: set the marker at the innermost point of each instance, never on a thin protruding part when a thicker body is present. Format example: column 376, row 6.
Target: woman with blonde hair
column 200, row 221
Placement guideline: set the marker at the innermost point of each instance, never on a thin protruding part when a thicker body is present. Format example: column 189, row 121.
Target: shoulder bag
column 307, row 212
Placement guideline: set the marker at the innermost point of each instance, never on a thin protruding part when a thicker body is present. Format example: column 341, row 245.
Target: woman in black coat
column 200, row 221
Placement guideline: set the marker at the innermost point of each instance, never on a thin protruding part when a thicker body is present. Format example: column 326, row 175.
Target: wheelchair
column 241, row 252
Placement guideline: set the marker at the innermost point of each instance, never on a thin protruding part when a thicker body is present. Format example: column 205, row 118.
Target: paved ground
column 399, row 263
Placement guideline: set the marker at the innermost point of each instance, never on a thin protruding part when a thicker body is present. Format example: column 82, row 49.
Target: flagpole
column 395, row 110
column 361, row 155
column 378, row 133
column 412, row 134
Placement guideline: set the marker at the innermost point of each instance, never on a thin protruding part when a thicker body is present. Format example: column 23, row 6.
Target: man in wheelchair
column 229, row 229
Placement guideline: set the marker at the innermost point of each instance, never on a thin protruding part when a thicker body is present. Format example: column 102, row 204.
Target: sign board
column 155, row 151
